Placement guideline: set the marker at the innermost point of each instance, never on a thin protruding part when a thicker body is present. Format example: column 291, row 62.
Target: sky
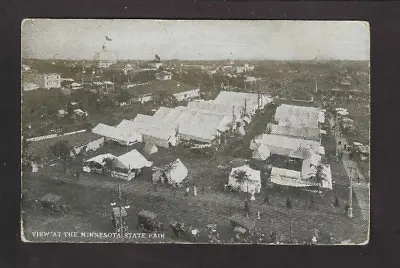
column 196, row 40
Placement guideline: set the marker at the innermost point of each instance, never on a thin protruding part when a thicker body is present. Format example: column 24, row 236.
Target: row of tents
column 131, row 164
column 199, row 121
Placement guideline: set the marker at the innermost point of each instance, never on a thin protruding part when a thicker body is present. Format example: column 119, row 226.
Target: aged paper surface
column 155, row 131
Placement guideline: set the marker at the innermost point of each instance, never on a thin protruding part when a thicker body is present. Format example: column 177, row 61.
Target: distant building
column 164, row 75
column 105, row 58
column 25, row 67
column 30, row 87
column 155, row 64
column 185, row 95
column 46, row 81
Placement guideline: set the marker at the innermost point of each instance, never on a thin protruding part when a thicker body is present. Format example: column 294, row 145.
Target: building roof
column 212, row 107
column 298, row 115
column 100, row 158
column 134, row 160
column 253, row 175
column 282, row 145
column 42, row 148
column 294, row 131
column 176, row 171
column 238, row 99
column 261, row 152
column 281, row 172
column 193, row 124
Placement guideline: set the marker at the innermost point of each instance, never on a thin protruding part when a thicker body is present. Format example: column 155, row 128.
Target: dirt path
column 360, row 184
column 142, row 188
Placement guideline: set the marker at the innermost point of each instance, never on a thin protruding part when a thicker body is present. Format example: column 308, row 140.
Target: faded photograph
column 168, row 131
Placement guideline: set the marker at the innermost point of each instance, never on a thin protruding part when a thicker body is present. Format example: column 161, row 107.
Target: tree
column 320, row 175
column 241, row 176
column 162, row 97
column 123, row 96
column 108, row 164
column 70, row 111
column 62, row 150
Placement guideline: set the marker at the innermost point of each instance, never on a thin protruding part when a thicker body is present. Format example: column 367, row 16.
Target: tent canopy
column 261, row 153
column 134, row 160
column 176, row 172
column 253, row 175
column 99, row 159
column 150, row 148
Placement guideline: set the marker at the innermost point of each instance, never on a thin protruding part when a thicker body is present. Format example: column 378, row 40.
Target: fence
column 46, row 137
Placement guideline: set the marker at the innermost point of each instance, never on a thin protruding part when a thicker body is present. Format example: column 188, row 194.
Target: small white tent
column 254, row 144
column 261, row 153
column 150, row 148
column 249, row 185
column 241, row 131
column 176, row 172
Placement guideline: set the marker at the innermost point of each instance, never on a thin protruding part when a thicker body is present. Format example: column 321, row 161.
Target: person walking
column 194, row 191
column 187, row 191
column 266, row 199
column 358, row 179
column 258, row 215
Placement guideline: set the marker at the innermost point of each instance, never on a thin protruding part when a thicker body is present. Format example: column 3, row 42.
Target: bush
column 288, row 203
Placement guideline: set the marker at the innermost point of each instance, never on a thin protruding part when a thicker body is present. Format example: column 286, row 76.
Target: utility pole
column 350, row 211
column 291, row 231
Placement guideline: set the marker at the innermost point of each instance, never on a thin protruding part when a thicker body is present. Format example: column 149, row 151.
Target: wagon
column 53, row 203
column 181, row 231
column 149, row 222
column 241, row 225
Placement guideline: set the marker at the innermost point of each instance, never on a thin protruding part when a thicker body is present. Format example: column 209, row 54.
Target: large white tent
column 296, row 131
column 240, row 100
column 249, row 185
column 121, row 134
column 134, row 160
column 282, row 145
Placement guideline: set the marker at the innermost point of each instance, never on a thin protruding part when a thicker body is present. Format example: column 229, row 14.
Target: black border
column 384, row 21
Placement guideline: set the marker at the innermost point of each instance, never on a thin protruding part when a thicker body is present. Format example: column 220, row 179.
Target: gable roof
column 295, row 131
column 282, row 145
column 253, row 175
column 100, row 158
column 238, row 99
column 134, row 160
column 298, row 115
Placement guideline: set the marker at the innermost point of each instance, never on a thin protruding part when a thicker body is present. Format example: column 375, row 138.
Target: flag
column 108, row 38
column 158, row 58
